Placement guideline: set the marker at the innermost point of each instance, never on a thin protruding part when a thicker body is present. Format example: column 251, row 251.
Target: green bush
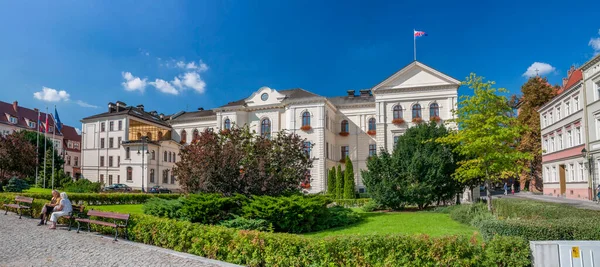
column 465, row 213
column 163, row 208
column 242, row 223
column 253, row 248
column 339, row 216
column 82, row 186
column 371, row 206
column 16, row 185
column 211, row 208
column 352, row 203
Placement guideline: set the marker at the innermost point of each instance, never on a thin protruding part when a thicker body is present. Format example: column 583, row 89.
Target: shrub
column 211, row 208
column 466, row 213
column 242, row 223
column 340, row 216
column 163, row 208
column 16, row 185
column 352, row 203
column 370, row 206
column 507, row 251
column 82, row 186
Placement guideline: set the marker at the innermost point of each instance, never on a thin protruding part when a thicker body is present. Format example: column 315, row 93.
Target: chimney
column 200, row 108
column 35, row 109
column 162, row 116
column 16, row 106
column 350, row 93
column 565, row 80
column 570, row 71
column 365, row 93
column 120, row 106
column 154, row 113
column 111, row 107
column 140, row 107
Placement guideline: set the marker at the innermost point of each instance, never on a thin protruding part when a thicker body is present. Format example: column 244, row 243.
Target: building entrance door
column 563, row 184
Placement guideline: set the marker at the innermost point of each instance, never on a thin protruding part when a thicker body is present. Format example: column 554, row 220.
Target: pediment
column 416, row 75
column 257, row 98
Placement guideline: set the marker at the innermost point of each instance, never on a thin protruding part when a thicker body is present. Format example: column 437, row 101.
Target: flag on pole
column 39, row 123
column 57, row 120
column 47, row 126
column 419, row 33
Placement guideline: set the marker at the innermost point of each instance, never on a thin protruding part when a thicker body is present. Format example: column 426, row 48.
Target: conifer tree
column 339, row 180
column 331, row 185
column 349, row 180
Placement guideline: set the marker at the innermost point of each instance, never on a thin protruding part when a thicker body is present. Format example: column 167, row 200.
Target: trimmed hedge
column 254, row 248
column 352, row 203
column 99, row 199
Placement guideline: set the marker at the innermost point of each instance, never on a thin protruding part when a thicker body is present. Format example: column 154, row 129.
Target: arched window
column 195, row 135
column 153, row 154
column 416, row 111
column 129, row 174
column 227, row 124
column 152, row 175
column 345, row 127
column 434, row 110
column 160, row 135
column 165, row 176
column 127, row 153
column 149, row 135
column 184, row 136
column 165, row 156
column 265, row 128
column 372, row 124
column 139, row 136
column 397, row 112
column 174, row 157
column 170, row 157
column 306, row 118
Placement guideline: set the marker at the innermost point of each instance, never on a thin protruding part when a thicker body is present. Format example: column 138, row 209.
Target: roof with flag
column 24, row 116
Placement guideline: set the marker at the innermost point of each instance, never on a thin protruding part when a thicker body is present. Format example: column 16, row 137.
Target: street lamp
column 143, row 144
column 586, row 155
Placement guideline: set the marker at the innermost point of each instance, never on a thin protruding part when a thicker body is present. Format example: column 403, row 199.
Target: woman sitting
column 49, row 207
column 63, row 209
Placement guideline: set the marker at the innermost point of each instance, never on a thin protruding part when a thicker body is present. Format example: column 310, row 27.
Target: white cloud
column 84, row 104
column 78, row 130
column 538, row 68
column 133, row 83
column 595, row 44
column 51, row 95
column 164, row 86
column 193, row 80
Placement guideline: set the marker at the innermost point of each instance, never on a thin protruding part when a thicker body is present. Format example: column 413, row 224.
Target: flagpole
column 37, row 149
column 53, row 146
column 415, row 44
column 45, row 141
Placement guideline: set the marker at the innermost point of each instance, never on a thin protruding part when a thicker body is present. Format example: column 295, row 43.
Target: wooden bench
column 77, row 212
column 105, row 214
column 21, row 203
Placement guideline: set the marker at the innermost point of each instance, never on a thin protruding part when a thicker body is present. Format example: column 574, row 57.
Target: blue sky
column 89, row 49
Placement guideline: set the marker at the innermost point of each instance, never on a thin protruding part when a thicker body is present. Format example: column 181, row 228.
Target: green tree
column 349, row 192
column 32, row 137
column 16, row 185
column 418, row 172
column 535, row 93
column 488, row 135
column 339, row 179
column 331, row 184
column 17, row 156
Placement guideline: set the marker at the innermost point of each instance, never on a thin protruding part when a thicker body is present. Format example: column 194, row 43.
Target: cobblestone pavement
column 582, row 204
column 22, row 243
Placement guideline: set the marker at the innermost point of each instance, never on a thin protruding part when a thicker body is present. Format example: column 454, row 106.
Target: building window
column 111, row 126
column 127, row 153
column 195, row 135
column 397, row 112
column 111, row 142
column 174, row 156
column 560, row 142
column 578, row 135
column 101, row 142
column 327, row 121
column 13, row 120
column 227, row 124
column 118, row 161
column 550, row 121
column 306, row 147
column 152, row 175
column 552, row 144
column 76, row 161
column 118, row 142
column 139, row 136
column 149, row 136
column 101, row 161
column 553, row 173
column 434, row 110
column 345, row 127
column 558, row 113
column 572, row 172
column 32, row 124
column 306, row 118
column 172, row 178
column 68, row 160
column 567, row 108
column 110, row 161
column 165, row 156
column 345, row 152
column 110, row 180
column 576, row 103
column 102, row 125
column 372, row 150
column 183, row 136
column 165, row 179
column 544, row 121
column 569, row 139
column 396, row 140
column 416, row 111
column 118, row 179
column 265, row 128
column 170, row 157
column 160, row 135
column 581, row 172
column 101, row 178
column 372, row 125
column 153, row 155
column 120, row 125
column 129, row 174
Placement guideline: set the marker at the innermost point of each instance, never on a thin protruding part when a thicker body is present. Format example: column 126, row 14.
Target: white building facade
column 356, row 125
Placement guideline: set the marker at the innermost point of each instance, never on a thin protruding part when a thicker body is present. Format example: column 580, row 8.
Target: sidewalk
column 581, row 204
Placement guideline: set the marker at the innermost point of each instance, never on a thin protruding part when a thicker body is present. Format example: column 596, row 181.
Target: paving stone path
column 581, row 204
column 22, row 243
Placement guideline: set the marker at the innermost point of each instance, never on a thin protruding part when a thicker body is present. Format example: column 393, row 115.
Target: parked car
column 159, row 190
column 117, row 188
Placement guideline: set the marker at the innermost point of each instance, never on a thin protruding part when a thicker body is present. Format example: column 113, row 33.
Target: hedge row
column 352, row 203
column 98, row 199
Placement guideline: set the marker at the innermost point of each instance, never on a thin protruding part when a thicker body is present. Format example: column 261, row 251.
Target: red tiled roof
column 22, row 114
column 575, row 77
column 70, row 134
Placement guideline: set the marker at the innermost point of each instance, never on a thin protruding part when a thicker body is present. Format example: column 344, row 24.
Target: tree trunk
column 488, row 191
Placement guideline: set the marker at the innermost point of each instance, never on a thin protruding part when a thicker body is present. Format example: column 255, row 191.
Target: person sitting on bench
column 63, row 209
column 49, row 207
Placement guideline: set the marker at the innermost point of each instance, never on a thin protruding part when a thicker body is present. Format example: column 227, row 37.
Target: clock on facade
column 264, row 97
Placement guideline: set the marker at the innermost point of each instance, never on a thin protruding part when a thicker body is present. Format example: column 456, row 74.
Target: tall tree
column 32, row 137
column 17, row 156
column 349, row 191
column 331, row 182
column 535, row 93
column 488, row 135
column 339, row 179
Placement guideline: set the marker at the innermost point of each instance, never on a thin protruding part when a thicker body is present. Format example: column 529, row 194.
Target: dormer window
column 32, row 124
column 13, row 120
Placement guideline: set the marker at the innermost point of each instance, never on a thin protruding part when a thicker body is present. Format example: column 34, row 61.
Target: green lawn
column 430, row 223
column 131, row 209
